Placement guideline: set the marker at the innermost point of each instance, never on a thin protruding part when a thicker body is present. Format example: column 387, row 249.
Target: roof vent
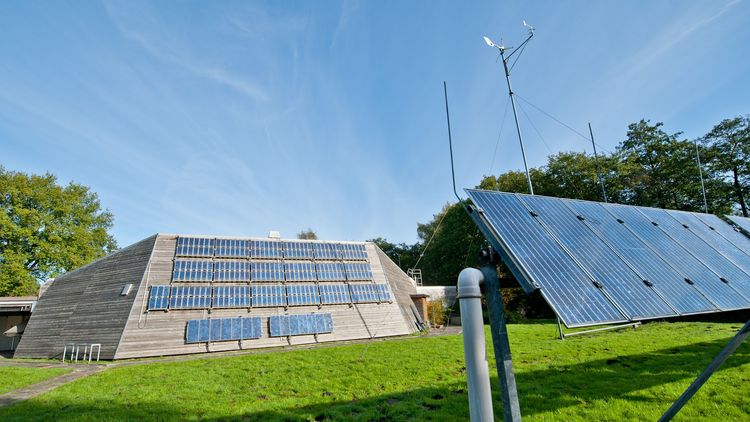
column 274, row 234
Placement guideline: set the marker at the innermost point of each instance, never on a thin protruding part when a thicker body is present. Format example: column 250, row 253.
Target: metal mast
column 507, row 69
column 596, row 160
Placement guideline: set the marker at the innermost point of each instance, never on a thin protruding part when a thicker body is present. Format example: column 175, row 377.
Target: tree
column 47, row 229
column 728, row 155
column 308, row 234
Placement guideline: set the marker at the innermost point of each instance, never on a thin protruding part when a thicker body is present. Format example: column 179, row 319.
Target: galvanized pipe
column 475, row 351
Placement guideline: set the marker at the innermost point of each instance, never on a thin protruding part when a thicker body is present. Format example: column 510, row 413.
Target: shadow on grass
column 540, row 391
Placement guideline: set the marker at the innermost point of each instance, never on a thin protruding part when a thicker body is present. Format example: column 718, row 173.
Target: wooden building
column 174, row 294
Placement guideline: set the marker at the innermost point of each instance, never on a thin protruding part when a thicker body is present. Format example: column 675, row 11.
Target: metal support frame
column 706, row 374
column 500, row 342
column 608, row 328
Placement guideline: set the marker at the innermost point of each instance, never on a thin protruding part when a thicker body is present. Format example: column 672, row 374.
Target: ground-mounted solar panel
column 708, row 234
column 363, row 293
column 268, row 295
column 190, row 297
column 232, row 248
column 641, row 262
column 222, row 329
column 200, row 270
column 333, row 293
column 231, row 297
column 302, row 294
column 615, row 275
column 326, row 250
column 539, row 262
column 358, row 271
column 266, row 271
column 158, row 297
column 353, row 251
column 265, row 249
column 693, row 270
column 730, row 274
column 300, row 271
column 330, row 271
column 231, row 271
column 384, row 293
column 741, row 222
column 652, row 267
column 728, row 232
column 195, row 247
column 297, row 250
column 294, row 325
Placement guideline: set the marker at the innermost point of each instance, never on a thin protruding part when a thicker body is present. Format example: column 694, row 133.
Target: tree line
column 651, row 167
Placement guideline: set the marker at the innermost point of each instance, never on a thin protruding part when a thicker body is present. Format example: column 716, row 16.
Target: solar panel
column 358, row 271
column 231, row 297
column 684, row 297
column 363, row 292
column 194, row 247
column 616, row 276
column 158, row 298
column 192, row 270
column 302, row 294
column 603, row 263
column 331, row 294
column 300, row 271
column 693, row 271
column 263, row 271
column 222, row 329
column 326, row 250
column 384, row 294
column 353, row 251
column 728, row 273
column 742, row 222
column 269, row 295
column 232, row 248
column 229, row 271
column 265, row 249
column 330, row 271
column 297, row 250
column 293, row 325
column 189, row 297
column 538, row 261
column 728, row 232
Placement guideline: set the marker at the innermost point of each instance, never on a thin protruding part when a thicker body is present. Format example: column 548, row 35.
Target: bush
column 436, row 312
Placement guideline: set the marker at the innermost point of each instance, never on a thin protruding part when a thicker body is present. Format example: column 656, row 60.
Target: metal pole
column 703, row 377
column 475, row 351
column 596, row 160
column 500, row 343
column 700, row 171
column 515, row 116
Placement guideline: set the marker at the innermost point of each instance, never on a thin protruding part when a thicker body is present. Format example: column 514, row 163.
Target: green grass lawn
column 12, row 377
column 618, row 375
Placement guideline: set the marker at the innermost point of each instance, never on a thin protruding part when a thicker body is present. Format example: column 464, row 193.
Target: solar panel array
column 163, row 297
column 600, row 263
column 222, row 329
column 294, row 325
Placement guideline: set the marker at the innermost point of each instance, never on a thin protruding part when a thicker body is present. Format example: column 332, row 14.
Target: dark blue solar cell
column 739, row 240
column 535, row 256
column 672, row 286
column 618, row 279
column 737, row 279
column 678, row 257
column 742, row 222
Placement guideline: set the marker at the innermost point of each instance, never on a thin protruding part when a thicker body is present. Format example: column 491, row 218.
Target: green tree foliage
column 47, row 229
column 308, row 234
column 728, row 157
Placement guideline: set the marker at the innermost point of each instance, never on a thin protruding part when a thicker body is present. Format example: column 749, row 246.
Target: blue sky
column 235, row 118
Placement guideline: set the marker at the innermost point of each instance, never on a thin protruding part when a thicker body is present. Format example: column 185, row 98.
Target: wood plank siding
column 85, row 305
